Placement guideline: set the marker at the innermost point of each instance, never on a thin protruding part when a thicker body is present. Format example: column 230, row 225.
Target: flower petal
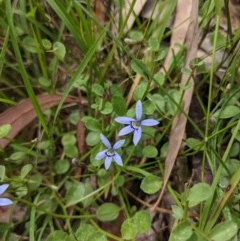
column 3, row 188
column 125, row 130
column 108, row 162
column 5, row 202
column 105, row 141
column 149, row 122
column 139, row 110
column 117, row 158
column 137, row 135
column 124, row 120
column 101, row 155
column 118, row 144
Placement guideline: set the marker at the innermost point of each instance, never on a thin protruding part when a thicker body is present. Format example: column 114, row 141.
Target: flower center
column 135, row 124
column 110, row 152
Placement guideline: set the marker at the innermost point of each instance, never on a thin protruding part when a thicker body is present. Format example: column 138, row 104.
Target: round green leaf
column 129, row 229
column 182, row 232
column 75, row 193
column 59, row 50
column 92, row 138
column 97, row 89
column 70, row 151
column 58, row 235
column 34, row 181
column 107, row 212
column 143, row 221
column 61, row 166
column 150, row 151
column 107, row 109
column 151, row 184
column 4, row 130
column 224, row 231
column 47, row 45
column 199, row 193
column 30, row 44
column 92, row 124
column 229, row 111
column 68, row 139
column 2, row 173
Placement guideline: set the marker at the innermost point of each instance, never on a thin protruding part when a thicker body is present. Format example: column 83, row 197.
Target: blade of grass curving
column 22, row 70
column 4, row 49
column 80, row 69
column 61, row 11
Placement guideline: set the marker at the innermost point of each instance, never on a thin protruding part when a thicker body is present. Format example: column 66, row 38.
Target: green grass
column 59, row 47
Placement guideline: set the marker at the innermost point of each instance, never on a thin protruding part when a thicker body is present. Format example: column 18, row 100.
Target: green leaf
column 107, row 109
column 25, row 170
column 70, row 151
column 47, row 45
column 4, row 130
column 143, row 221
column 58, row 235
column 34, row 182
column 135, row 35
column 97, row 89
column 199, row 193
column 61, row 166
column 138, row 66
column 2, row 173
column 30, row 44
column 224, row 231
column 151, row 184
column 75, row 193
column 159, row 79
column 88, row 232
column 44, row 82
column 229, row 111
column 92, row 124
column 119, row 105
column 194, row 143
column 129, row 229
column 178, row 212
column 150, row 151
column 68, row 139
column 92, row 138
column 107, row 212
column 59, row 50
column 140, row 90
column 182, row 232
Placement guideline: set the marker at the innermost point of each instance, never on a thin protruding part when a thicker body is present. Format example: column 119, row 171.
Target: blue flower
column 135, row 125
column 110, row 153
column 4, row 201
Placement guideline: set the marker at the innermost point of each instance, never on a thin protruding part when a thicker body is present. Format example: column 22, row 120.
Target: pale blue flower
column 135, row 125
column 110, row 153
column 4, row 201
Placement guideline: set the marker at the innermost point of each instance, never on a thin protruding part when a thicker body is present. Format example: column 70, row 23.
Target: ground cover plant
column 119, row 120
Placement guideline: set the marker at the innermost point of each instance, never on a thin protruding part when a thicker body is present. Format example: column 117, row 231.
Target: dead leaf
column 190, row 36
column 22, row 114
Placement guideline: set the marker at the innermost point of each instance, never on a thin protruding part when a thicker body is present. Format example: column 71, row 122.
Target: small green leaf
column 97, row 89
column 107, row 212
column 68, row 139
column 2, row 173
column 139, row 67
column 44, row 82
column 61, row 166
column 75, row 193
column 135, row 35
column 47, row 45
column 4, row 130
column 178, row 212
column 70, row 150
column 88, row 232
column 229, row 111
column 25, row 170
column 150, row 151
column 34, row 181
column 159, row 79
column 194, row 143
column 143, row 221
column 119, row 105
column 129, row 229
column 30, row 44
column 224, row 231
column 140, row 90
column 199, row 193
column 59, row 50
column 182, row 232
column 92, row 124
column 58, row 235
column 93, row 138
column 151, row 184
column 107, row 109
